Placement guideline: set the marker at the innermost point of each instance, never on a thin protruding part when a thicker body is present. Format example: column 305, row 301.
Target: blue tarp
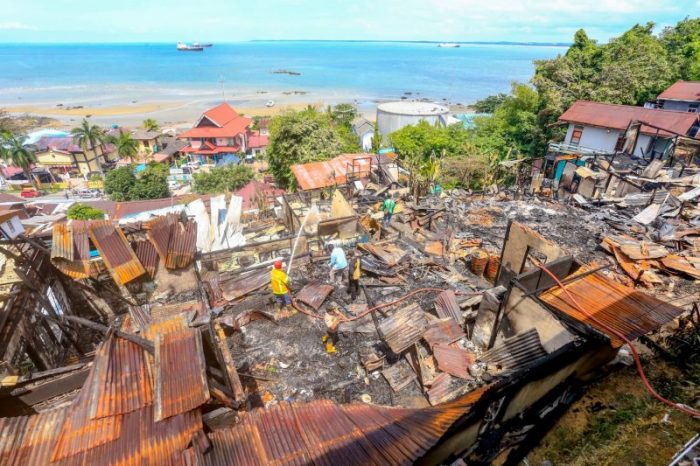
column 140, row 168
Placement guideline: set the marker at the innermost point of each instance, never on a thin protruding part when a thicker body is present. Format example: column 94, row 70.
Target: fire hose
column 635, row 355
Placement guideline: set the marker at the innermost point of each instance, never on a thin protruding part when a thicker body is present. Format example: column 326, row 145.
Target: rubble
column 457, row 338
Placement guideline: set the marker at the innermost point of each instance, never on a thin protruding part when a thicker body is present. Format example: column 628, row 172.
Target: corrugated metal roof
column 182, row 245
column 29, row 440
column 115, row 251
column 123, row 383
column 180, row 373
column 619, row 117
column 148, row 256
column 444, row 331
column 159, row 230
column 70, row 249
column 629, row 312
column 454, row 361
column 229, row 288
column 314, row 294
column 325, row 433
column 389, row 253
column 515, row 352
column 446, row 306
column 682, row 90
column 440, row 391
column 314, row 175
column 404, row 328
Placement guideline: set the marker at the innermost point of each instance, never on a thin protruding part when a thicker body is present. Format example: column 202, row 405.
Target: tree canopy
column 84, row 212
column 149, row 124
column 88, row 136
column 300, row 137
column 221, row 180
column 13, row 149
column 127, row 146
column 151, row 183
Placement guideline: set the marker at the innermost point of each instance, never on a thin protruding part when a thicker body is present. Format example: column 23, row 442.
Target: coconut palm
column 88, row 136
column 127, row 147
column 149, row 124
column 14, row 150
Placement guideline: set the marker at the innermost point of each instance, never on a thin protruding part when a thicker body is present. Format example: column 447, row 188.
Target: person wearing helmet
column 280, row 287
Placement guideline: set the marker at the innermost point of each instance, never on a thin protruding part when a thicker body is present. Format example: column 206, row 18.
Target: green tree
column 84, row 212
column 682, row 42
column 149, row 124
column 343, row 114
column 151, row 183
column 127, row 146
column 222, row 180
column 13, row 149
column 119, row 182
column 89, row 136
column 489, row 104
column 300, row 137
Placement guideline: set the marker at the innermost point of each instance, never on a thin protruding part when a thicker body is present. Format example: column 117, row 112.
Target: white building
column 364, row 129
column 601, row 127
column 683, row 96
column 392, row 116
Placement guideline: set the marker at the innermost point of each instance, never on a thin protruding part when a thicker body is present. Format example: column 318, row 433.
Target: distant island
column 540, row 44
column 290, row 73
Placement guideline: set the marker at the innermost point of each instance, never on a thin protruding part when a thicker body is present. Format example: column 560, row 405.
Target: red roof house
column 683, row 96
column 255, row 192
column 219, row 132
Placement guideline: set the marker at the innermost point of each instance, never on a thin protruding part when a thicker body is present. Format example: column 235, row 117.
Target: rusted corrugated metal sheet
column 399, row 375
column 70, row 249
column 140, row 316
column 167, row 311
column 314, row 294
column 624, row 309
column 445, row 331
column 454, row 361
column 29, row 440
column 446, row 306
column 389, row 253
column 123, row 383
column 116, row 252
column 158, row 231
column 234, row 288
column 147, row 255
column 314, row 175
column 440, row 389
column 404, row 328
column 182, row 245
column 180, row 374
column 515, row 352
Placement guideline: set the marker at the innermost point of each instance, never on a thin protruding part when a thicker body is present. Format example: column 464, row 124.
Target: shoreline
column 176, row 108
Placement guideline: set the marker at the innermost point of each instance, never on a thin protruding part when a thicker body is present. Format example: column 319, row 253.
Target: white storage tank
column 392, row 116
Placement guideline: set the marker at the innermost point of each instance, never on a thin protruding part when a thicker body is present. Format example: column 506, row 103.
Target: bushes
column 152, row 183
column 224, row 179
column 84, row 212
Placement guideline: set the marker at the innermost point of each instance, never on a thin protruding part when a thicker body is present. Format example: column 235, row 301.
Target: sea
column 49, row 74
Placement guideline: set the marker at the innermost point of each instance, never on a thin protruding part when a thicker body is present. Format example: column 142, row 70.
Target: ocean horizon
column 69, row 74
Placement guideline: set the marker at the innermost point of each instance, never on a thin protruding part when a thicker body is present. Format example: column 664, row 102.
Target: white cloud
column 15, row 26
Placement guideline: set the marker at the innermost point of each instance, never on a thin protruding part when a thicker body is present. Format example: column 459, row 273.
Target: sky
column 235, row 20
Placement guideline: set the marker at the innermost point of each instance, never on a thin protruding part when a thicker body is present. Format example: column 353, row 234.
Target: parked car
column 88, row 193
column 31, row 192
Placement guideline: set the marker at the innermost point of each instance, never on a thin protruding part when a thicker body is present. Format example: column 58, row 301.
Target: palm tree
column 149, row 124
column 88, row 136
column 13, row 149
column 127, row 147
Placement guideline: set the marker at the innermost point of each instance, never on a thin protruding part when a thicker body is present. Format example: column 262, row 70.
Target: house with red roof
column 601, row 127
column 219, row 136
column 682, row 96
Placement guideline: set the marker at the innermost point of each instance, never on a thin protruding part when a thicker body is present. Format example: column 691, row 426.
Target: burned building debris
column 156, row 340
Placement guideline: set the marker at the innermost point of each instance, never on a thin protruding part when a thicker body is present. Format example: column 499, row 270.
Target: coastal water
column 362, row 70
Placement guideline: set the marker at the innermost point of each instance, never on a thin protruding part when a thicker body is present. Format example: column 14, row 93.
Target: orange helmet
column 278, row 264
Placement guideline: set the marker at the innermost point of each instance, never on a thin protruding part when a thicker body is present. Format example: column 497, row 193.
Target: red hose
column 379, row 306
column 635, row 355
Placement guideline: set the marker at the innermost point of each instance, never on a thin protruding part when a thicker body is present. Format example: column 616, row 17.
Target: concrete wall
column 676, row 105
column 605, row 140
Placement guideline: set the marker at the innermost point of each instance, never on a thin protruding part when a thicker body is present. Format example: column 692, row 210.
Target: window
column 576, row 135
column 693, row 108
column 620, row 144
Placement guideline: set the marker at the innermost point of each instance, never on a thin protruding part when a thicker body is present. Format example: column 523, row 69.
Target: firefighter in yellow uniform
column 280, row 287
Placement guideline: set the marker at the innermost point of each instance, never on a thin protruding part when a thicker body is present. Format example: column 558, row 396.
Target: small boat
column 448, row 45
column 188, row 48
column 270, row 103
column 197, row 44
